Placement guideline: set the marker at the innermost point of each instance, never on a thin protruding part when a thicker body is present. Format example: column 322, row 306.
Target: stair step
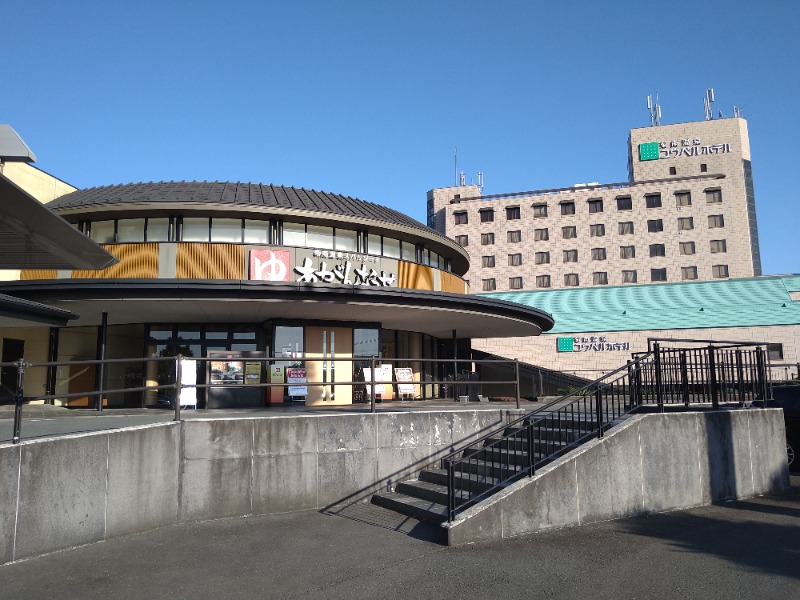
column 424, row 510
column 425, row 490
column 462, row 479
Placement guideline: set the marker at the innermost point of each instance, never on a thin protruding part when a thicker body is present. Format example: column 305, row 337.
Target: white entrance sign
column 188, row 394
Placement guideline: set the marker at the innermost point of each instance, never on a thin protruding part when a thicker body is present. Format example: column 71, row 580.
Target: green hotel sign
column 565, row 344
column 648, row 151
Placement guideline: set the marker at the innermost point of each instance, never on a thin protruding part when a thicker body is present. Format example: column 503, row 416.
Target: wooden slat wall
column 210, row 261
column 414, row 276
column 29, row 274
column 136, row 261
column 453, row 284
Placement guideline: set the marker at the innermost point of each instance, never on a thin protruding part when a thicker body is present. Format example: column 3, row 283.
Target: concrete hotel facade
column 687, row 213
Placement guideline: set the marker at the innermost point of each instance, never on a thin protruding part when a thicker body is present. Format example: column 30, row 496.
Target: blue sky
column 369, row 98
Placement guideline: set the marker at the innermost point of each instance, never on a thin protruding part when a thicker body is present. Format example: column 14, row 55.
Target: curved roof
column 199, row 301
column 215, row 196
column 747, row 302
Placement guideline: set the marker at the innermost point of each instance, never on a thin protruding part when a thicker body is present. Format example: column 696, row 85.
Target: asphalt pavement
column 748, row 549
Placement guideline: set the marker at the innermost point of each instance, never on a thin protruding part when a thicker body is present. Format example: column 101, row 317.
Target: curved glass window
column 226, row 230
column 194, row 229
column 391, row 248
column 346, row 240
column 318, row 236
column 130, row 230
column 256, row 232
column 294, row 234
column 157, row 229
column 103, row 232
column 409, row 252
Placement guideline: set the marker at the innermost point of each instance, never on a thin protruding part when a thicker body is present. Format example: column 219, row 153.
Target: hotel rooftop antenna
column 708, row 103
column 455, row 170
column 655, row 111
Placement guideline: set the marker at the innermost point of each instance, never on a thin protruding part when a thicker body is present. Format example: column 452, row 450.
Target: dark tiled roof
column 216, row 193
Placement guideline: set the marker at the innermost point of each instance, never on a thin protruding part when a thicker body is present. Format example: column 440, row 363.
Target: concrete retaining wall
column 63, row 492
column 649, row 464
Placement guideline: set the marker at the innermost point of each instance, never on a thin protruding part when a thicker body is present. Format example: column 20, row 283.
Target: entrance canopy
column 191, row 301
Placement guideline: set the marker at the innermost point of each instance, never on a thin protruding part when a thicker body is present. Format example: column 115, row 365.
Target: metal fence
column 460, row 380
column 706, row 375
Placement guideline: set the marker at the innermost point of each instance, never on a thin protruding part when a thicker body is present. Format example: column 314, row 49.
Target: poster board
column 275, row 394
column 405, row 381
column 383, row 381
column 188, row 395
column 297, row 380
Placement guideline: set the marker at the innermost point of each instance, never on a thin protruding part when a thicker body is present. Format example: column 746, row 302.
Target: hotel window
column 655, row 225
column 514, row 237
column 703, row 168
column 685, row 223
column 598, row 253
column 570, row 256
column 571, row 279
column 487, row 262
column 195, row 229
column 487, row 239
column 543, row 281
column 657, row 250
column 542, row 258
column 569, row 233
column 567, row 208
column 714, row 196
column 626, row 228
column 687, row 248
column 461, row 218
column 715, row 221
column 598, row 230
column 718, row 246
column 627, row 251
column 673, row 171
column 624, row 203
column 540, row 210
column 462, row 240
column 512, row 213
column 488, row 285
column 515, row 283
column 595, row 205
column 600, row 278
column 658, row 274
column 719, row 271
column 688, row 273
column 514, row 260
column 629, row 277
column 132, row 230
column 540, row 235
column 775, row 351
column 652, row 200
column 487, row 215
column 683, row 198
column 408, row 251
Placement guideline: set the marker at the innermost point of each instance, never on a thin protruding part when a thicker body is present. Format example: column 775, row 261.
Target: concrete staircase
column 484, row 469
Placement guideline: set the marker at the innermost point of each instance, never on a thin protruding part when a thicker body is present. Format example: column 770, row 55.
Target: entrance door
column 325, row 347
column 13, row 350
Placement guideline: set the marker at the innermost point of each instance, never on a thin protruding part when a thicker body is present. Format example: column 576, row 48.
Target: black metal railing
column 711, row 375
column 167, row 386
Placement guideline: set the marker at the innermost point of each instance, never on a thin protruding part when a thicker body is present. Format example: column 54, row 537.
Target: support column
column 102, row 337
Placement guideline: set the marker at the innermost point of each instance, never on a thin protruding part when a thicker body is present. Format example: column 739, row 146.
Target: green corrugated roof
column 755, row 301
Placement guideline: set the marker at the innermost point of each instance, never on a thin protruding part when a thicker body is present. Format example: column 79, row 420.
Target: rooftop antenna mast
column 455, row 170
column 708, row 103
column 655, row 111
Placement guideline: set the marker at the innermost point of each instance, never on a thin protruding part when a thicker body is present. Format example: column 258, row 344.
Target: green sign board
column 648, row 151
column 565, row 344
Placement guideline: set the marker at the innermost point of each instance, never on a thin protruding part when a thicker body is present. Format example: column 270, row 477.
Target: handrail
column 663, row 376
